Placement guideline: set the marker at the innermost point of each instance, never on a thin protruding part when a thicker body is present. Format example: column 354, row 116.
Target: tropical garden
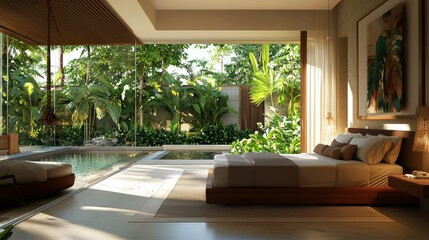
column 144, row 95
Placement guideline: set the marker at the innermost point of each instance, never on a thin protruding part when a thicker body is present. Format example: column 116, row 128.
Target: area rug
column 186, row 203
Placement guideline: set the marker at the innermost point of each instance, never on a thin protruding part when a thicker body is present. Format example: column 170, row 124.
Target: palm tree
column 265, row 81
column 88, row 101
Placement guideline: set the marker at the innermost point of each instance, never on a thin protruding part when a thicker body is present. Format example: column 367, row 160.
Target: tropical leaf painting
column 385, row 89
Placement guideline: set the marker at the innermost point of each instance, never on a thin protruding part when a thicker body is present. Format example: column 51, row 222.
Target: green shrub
column 218, row 134
column 70, row 136
column 159, row 137
column 125, row 137
column 281, row 135
column 64, row 136
column 39, row 136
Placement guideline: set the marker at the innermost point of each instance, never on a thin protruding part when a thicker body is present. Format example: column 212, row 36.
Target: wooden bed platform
column 319, row 195
column 308, row 195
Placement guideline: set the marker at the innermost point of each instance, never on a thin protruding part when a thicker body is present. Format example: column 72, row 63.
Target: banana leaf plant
column 209, row 104
column 174, row 99
column 26, row 94
column 92, row 100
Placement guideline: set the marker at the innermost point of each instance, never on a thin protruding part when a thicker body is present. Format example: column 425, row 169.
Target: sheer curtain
column 321, row 94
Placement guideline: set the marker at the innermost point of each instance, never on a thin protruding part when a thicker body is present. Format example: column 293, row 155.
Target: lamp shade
column 330, row 129
column 329, row 119
column 421, row 138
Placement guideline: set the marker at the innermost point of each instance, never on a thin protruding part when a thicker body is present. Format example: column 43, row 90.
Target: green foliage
column 213, row 134
column 269, row 78
column 174, row 99
column 209, row 104
column 159, row 137
column 70, row 136
column 281, row 135
column 288, row 64
column 108, row 83
column 285, row 60
column 265, row 81
column 118, row 79
column 25, row 96
column 239, row 70
column 95, row 97
column 125, row 137
column 39, row 136
column 195, row 69
column 218, row 134
column 64, row 136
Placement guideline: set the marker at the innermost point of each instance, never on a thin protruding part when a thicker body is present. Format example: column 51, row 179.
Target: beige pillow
column 371, row 150
column 346, row 138
column 348, row 152
column 320, row 148
column 393, row 153
column 332, row 152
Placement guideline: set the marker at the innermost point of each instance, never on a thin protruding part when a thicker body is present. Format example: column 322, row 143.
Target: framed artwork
column 387, row 87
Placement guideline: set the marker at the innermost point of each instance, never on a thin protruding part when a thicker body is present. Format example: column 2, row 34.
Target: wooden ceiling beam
column 73, row 22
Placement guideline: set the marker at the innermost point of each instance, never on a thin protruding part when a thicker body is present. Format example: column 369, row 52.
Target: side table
column 416, row 187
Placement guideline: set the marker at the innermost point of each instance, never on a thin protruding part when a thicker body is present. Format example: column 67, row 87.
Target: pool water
column 189, row 155
column 86, row 163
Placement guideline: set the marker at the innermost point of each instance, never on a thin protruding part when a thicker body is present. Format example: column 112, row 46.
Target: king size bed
column 316, row 178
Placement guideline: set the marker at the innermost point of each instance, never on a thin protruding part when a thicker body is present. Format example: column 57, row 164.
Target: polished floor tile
column 103, row 211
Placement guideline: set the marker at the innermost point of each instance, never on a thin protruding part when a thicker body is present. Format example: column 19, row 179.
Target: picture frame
column 374, row 101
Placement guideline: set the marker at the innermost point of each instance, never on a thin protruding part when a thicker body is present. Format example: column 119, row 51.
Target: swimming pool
column 85, row 163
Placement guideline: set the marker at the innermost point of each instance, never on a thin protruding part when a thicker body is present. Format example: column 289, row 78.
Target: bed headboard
column 407, row 157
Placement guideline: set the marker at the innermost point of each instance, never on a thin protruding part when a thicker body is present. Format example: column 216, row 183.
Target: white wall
column 233, row 102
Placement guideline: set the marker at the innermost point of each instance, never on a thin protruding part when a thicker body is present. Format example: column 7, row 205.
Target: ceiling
column 243, row 4
column 221, row 21
column 77, row 22
column 111, row 22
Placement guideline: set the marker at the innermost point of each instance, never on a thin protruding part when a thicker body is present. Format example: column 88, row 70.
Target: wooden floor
column 103, row 211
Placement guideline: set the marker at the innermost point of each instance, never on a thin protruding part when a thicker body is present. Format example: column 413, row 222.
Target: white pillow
column 371, row 150
column 347, row 137
column 393, row 153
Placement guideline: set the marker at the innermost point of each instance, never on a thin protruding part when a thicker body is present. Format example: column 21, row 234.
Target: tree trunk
column 62, row 79
column 163, row 65
column 87, row 127
column 141, row 101
column 88, row 48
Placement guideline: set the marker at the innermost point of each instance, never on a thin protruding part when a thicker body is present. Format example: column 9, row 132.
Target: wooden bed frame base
column 307, row 195
column 11, row 194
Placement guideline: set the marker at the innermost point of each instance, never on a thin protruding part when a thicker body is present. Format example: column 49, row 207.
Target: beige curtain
column 1, row 83
column 321, row 92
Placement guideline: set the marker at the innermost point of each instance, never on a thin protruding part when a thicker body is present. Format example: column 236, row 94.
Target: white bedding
column 314, row 170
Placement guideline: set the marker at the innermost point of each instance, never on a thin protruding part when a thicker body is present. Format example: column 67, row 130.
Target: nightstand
column 416, row 187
